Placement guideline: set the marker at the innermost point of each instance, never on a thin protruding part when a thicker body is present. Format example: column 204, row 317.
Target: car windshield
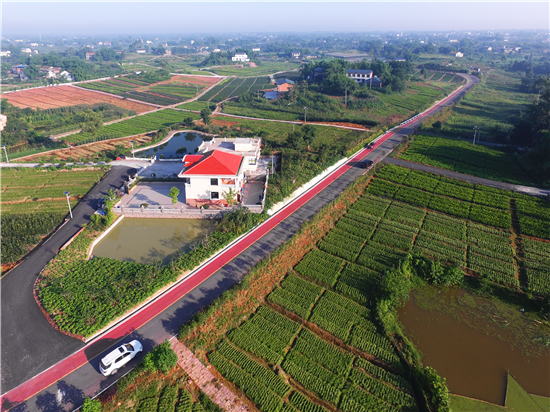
column 129, row 347
column 103, row 366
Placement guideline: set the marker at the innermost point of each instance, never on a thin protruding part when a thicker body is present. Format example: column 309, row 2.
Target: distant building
column 107, row 43
column 240, row 57
column 453, row 41
column 18, row 69
column 318, row 72
column 375, row 82
column 284, row 85
column 26, row 50
column 215, row 50
column 149, row 42
column 400, row 59
column 34, row 44
column 66, row 75
column 90, row 55
column 51, row 72
column 457, row 54
column 360, row 76
column 168, row 52
column 141, row 51
column 256, row 49
column 164, row 44
column 6, row 53
column 296, row 54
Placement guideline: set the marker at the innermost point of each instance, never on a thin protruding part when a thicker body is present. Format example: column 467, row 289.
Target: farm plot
column 235, row 87
column 460, row 156
column 168, row 92
column 62, row 96
column 33, row 204
column 137, row 125
column 535, row 265
column 306, row 360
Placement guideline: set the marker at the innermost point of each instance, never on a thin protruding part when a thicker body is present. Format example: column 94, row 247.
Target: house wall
column 199, row 187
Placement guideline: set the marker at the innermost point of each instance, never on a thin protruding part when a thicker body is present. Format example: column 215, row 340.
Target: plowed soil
column 61, row 96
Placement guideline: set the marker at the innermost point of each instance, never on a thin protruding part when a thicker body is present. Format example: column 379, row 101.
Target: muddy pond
column 474, row 342
column 149, row 240
column 179, row 145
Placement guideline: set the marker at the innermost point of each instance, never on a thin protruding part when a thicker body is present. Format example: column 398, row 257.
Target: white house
column 256, row 49
column 296, row 54
column 6, row 53
column 456, row 54
column 218, row 166
column 360, row 76
column 240, row 57
column 26, row 50
column 141, row 51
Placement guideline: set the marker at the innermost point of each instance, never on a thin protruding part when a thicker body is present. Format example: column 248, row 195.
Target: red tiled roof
column 216, row 163
column 188, row 160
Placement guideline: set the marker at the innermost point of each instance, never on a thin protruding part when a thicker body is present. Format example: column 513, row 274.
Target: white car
column 116, row 359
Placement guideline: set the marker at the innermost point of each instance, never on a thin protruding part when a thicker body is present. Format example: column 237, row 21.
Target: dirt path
column 208, row 383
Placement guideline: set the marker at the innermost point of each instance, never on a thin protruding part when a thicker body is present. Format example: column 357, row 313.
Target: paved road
column 83, row 379
column 29, row 344
column 529, row 190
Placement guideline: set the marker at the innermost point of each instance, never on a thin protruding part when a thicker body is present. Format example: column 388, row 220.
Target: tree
column 174, row 193
column 91, row 122
column 424, row 72
column 205, row 114
column 295, row 140
column 162, row 358
column 230, row 196
column 310, row 133
column 91, row 405
column 438, row 393
column 32, row 72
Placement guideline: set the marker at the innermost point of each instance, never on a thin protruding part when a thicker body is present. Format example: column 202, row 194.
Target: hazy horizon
column 127, row 18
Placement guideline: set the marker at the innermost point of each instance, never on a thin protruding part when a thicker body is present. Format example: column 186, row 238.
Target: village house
column 17, row 69
column 6, row 53
column 26, row 50
column 240, row 57
column 90, row 55
column 284, row 85
column 296, row 54
column 456, row 54
column 51, row 72
column 218, row 166
column 360, row 76
column 168, row 52
column 141, row 51
column 256, row 49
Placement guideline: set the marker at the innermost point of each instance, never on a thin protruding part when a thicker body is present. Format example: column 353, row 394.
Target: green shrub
column 162, row 358
column 168, row 398
column 91, row 405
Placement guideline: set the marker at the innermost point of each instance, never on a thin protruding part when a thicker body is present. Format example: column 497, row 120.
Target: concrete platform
column 154, row 194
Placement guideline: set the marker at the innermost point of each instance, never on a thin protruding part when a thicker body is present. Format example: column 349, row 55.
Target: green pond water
column 474, row 342
column 149, row 240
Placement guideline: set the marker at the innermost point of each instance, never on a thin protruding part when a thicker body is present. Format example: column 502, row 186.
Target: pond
column 474, row 342
column 179, row 145
column 148, row 240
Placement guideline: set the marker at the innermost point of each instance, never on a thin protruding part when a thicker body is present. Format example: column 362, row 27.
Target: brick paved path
column 216, row 391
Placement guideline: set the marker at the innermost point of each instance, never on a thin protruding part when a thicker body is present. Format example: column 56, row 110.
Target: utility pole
column 305, row 115
column 475, row 132
column 346, row 99
column 133, row 154
column 69, row 203
column 6, row 152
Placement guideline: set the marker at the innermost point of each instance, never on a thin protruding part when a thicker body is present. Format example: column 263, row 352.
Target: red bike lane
column 68, row 365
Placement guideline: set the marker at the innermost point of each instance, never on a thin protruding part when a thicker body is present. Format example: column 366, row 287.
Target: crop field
column 177, row 89
column 137, row 125
column 263, row 69
column 276, row 132
column 463, row 157
column 235, row 87
column 325, row 346
column 492, row 106
column 33, row 203
column 463, row 224
column 62, row 96
column 197, row 105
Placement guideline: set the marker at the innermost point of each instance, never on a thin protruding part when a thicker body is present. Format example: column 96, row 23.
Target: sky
column 99, row 17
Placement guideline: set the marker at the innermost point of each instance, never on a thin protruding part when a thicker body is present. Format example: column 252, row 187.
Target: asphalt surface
column 529, row 190
column 86, row 380
column 29, row 344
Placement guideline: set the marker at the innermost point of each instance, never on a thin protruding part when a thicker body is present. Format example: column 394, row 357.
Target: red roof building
column 216, row 163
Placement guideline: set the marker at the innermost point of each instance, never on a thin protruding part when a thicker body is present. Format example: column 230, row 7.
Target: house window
column 213, row 182
column 214, row 195
column 251, row 161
